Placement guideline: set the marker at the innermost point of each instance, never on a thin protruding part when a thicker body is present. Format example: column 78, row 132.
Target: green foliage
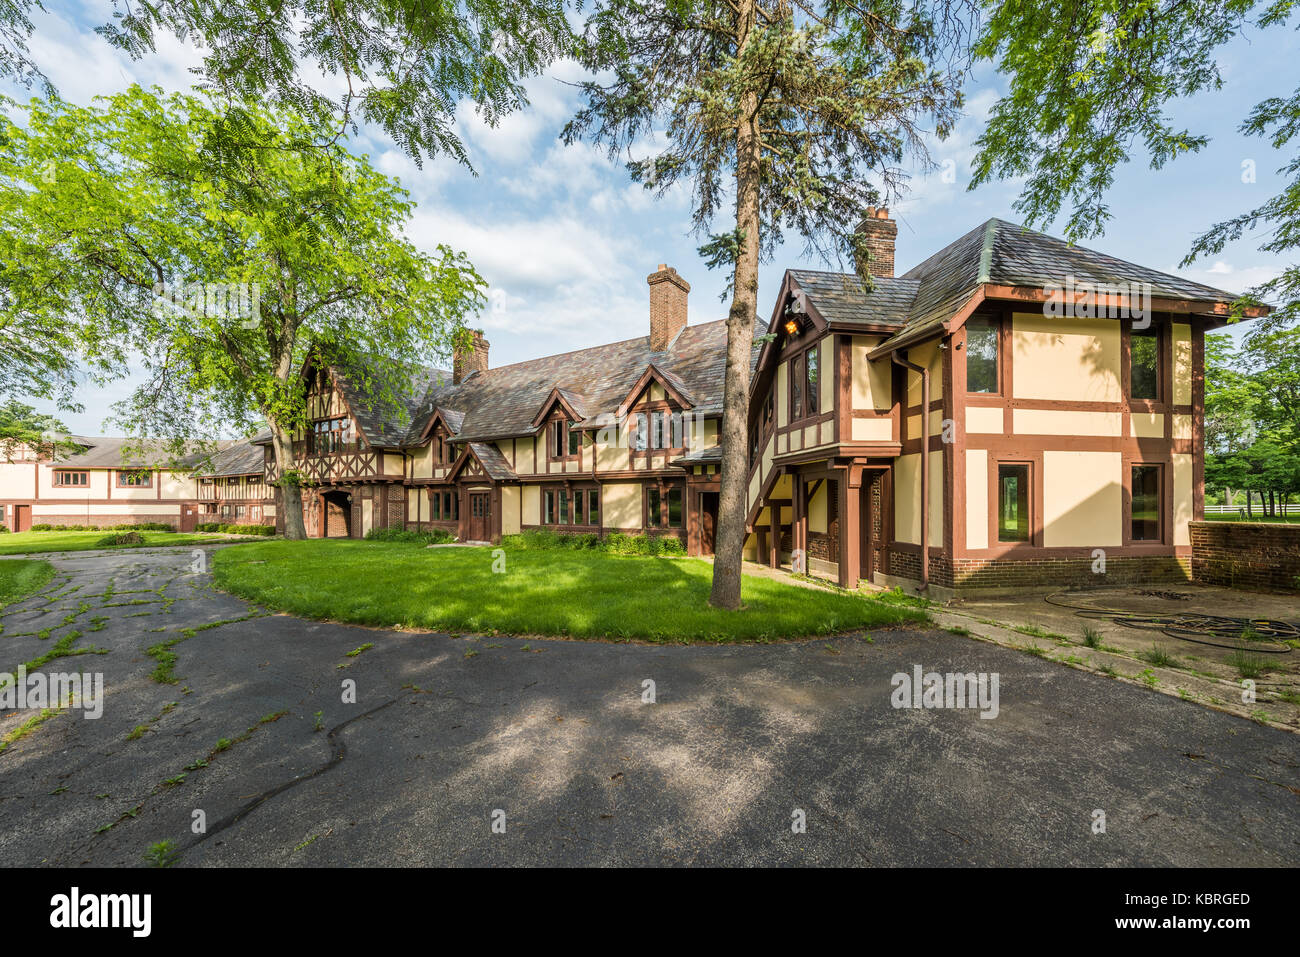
column 235, row 529
column 136, row 527
column 121, row 538
column 432, row 537
column 1090, row 85
column 225, row 263
column 616, row 543
column 22, row 426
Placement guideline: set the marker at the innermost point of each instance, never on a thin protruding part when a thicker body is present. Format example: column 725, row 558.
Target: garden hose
column 1221, row 631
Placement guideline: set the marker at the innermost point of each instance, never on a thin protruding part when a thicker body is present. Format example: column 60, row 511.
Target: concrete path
column 553, row 738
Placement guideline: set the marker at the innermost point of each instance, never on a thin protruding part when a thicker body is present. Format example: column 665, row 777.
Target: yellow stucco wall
column 532, row 505
column 984, row 420
column 1066, row 422
column 977, row 498
column 871, row 380
column 621, row 502
column 1082, row 499
column 1182, row 498
column 1078, row 359
column 907, row 494
column 1182, row 360
column 510, row 496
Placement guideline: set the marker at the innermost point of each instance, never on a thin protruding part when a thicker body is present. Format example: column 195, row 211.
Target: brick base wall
column 103, row 521
column 1008, row 573
column 1247, row 555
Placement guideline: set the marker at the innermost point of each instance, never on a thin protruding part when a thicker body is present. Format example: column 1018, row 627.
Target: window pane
column 548, row 508
column 656, row 430
column 578, row 512
column 564, row 507
column 981, row 356
column 675, row 508
column 593, row 506
column 813, row 390
column 639, row 436
column 1146, row 503
column 796, row 388
column 1013, row 503
column 574, row 438
column 652, row 506
column 1144, row 378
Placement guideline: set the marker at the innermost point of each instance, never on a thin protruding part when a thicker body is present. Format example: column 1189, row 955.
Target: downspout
column 925, row 461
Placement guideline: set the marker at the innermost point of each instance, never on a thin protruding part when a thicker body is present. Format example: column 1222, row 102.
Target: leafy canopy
column 263, row 252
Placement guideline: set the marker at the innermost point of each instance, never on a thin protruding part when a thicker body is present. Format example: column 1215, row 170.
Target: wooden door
column 189, row 518
column 708, row 522
column 480, row 516
column 22, row 518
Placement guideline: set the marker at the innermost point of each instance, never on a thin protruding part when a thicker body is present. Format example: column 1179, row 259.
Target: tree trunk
column 730, row 543
column 290, row 491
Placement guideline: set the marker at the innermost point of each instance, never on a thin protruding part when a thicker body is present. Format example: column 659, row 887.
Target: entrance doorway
column 22, row 518
column 708, row 522
column 480, row 516
column 876, row 513
column 189, row 517
column 336, row 515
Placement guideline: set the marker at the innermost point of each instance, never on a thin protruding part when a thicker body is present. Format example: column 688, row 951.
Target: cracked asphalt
column 449, row 733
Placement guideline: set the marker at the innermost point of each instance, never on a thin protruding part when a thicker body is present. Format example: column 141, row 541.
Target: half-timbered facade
column 619, row 437
column 1031, row 410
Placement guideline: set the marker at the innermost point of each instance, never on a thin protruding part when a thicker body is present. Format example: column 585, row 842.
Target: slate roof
column 118, row 452
column 242, row 458
column 712, row 453
column 502, row 402
column 916, row 304
column 493, row 461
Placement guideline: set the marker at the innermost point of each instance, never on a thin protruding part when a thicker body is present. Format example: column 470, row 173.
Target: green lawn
column 20, row 543
column 541, row 592
column 20, row 577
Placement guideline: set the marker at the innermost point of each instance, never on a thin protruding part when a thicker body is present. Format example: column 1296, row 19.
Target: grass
column 22, row 577
column 575, row 593
column 21, row 543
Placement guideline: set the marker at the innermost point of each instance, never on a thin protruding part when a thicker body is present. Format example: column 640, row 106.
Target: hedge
column 235, row 529
column 616, row 543
column 129, row 527
column 434, row 536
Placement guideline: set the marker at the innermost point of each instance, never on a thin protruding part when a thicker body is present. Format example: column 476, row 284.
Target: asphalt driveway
column 553, row 743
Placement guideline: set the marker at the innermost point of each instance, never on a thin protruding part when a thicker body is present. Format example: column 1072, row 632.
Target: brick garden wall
column 1247, row 555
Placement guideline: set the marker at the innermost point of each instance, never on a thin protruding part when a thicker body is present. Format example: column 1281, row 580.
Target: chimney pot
column 668, row 295
column 466, row 362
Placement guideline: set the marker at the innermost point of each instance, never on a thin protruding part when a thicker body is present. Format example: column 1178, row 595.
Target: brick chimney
column 668, row 293
column 880, row 232
column 464, row 363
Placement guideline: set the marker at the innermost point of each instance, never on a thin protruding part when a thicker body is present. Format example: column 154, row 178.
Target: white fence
column 1291, row 509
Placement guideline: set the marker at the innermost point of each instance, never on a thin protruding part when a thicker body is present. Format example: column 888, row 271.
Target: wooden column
column 850, row 558
column 799, row 533
column 774, row 543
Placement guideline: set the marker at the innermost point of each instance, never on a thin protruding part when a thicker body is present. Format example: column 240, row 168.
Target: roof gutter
column 925, row 462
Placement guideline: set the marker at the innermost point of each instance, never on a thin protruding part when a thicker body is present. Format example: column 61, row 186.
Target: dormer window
column 565, row 440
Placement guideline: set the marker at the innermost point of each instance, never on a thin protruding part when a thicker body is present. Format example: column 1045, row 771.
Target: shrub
column 235, row 529
column 3, row 529
column 616, row 543
column 121, row 538
column 433, row 537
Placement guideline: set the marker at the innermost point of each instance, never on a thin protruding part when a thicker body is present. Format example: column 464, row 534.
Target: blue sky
column 566, row 240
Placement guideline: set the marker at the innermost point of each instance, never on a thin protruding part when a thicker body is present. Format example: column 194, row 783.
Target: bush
column 3, row 529
column 127, row 527
column 121, row 538
column 433, row 537
column 616, row 543
column 235, row 529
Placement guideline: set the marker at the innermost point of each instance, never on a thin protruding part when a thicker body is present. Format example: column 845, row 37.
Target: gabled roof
column 672, row 384
column 915, row 305
column 574, row 405
column 489, row 457
column 503, row 402
column 390, row 424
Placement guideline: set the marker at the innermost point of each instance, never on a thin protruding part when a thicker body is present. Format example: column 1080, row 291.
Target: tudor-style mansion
column 1023, row 406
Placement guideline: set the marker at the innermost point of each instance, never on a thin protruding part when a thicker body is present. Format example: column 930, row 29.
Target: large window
column 445, row 507
column 1144, row 364
column 71, row 479
column 330, row 436
column 565, row 439
column 663, row 508
column 982, row 356
column 1013, row 503
column 1146, row 503
column 136, row 479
